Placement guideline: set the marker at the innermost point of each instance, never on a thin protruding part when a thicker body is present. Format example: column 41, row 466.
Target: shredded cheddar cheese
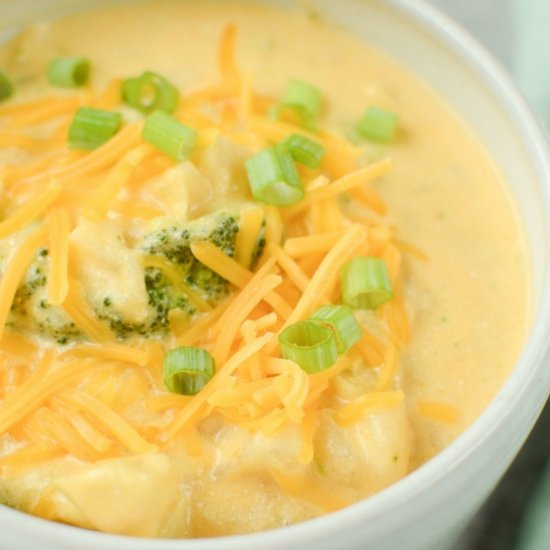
column 228, row 325
column 94, row 162
column 46, row 110
column 118, row 427
column 250, row 225
column 81, row 400
column 29, row 211
column 81, row 314
column 15, row 270
column 211, row 256
column 28, row 457
column 58, row 282
column 228, row 68
column 115, row 181
column 344, row 184
column 298, row 247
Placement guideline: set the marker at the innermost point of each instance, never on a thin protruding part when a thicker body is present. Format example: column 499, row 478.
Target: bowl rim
column 493, row 419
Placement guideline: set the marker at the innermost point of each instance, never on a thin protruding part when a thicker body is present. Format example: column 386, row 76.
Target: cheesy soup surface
column 114, row 256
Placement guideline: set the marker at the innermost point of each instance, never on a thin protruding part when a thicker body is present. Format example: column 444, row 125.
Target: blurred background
column 517, row 32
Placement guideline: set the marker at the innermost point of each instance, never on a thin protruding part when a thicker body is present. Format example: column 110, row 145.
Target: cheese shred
column 82, row 399
column 16, row 268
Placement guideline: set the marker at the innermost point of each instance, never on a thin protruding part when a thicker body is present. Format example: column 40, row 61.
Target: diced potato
column 223, row 165
column 108, row 269
column 366, row 456
column 140, row 491
column 182, row 192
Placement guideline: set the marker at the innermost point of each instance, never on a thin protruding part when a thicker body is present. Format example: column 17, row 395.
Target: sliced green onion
column 365, row 283
column 6, row 87
column 273, row 177
column 93, row 127
column 310, row 345
column 305, row 150
column 378, row 125
column 303, row 95
column 150, row 92
column 169, row 135
column 188, row 370
column 69, row 72
column 343, row 323
column 304, row 100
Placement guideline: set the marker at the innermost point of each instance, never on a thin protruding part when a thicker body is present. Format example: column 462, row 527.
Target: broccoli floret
column 35, row 279
column 30, row 309
column 225, row 233
column 173, row 243
column 163, row 297
column 118, row 325
column 211, row 286
column 19, row 305
column 58, row 327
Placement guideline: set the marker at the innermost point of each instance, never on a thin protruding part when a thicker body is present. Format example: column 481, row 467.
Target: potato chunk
column 109, row 270
column 140, row 492
column 367, row 456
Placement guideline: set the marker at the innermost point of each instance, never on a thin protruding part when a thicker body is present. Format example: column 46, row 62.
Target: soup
column 174, row 340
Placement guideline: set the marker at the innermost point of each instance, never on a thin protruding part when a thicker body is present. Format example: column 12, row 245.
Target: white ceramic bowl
column 429, row 508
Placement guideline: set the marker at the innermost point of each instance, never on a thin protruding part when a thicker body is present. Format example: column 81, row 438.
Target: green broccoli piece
column 31, row 311
column 174, row 244
column 225, row 234
column 163, row 297
column 35, row 279
column 43, row 318
column 118, row 325
column 211, row 285
column 62, row 330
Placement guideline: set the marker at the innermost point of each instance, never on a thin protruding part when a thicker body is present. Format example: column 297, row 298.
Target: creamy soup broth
column 467, row 299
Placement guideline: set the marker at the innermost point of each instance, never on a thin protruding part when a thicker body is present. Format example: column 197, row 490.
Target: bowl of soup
column 272, row 274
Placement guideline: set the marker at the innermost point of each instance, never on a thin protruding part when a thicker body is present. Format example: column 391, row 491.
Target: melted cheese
column 290, row 445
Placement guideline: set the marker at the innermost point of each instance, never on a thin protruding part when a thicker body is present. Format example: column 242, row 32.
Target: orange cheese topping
column 76, row 398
